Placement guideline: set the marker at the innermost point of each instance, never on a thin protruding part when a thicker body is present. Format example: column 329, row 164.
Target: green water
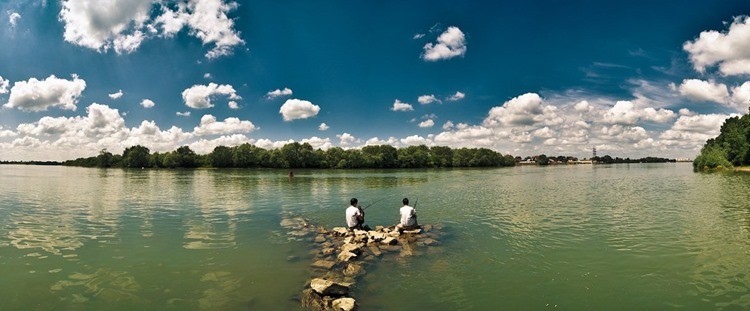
column 621, row 237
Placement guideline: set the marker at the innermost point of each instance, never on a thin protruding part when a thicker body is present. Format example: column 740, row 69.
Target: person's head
column 353, row 201
column 405, row 201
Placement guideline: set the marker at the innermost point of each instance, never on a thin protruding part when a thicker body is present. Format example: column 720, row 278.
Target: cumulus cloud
column 323, row 127
column 122, row 25
column 233, row 105
column 6, row 133
column 294, row 109
column 205, row 146
column 374, row 141
column 13, row 18
column 727, row 49
column 147, row 103
column 625, row 112
column 699, row 90
column 428, row 99
column 38, row 95
column 401, row 106
column 741, row 97
column 269, row 144
column 116, row 95
column 455, row 97
column 183, row 114
column 279, row 93
column 210, row 126
column 415, row 140
column 690, row 132
column 450, row 44
column 4, row 83
column 523, row 111
column 318, row 143
column 200, row 96
column 346, row 140
column 448, row 125
column 427, row 123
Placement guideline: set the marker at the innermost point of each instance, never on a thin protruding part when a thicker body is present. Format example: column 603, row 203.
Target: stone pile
column 341, row 256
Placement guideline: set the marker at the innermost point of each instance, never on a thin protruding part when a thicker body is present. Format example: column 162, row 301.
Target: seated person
column 408, row 217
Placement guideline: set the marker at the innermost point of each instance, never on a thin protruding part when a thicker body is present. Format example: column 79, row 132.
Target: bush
column 711, row 157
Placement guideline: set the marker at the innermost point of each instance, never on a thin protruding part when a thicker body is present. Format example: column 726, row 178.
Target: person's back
column 408, row 216
column 354, row 216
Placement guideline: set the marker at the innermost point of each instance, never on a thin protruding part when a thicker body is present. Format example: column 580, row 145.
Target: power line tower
column 594, row 152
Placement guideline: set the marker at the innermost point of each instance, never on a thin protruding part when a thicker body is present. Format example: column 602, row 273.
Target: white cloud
column 417, row 36
column 123, row 25
column 729, row 50
column 38, row 95
column 625, row 112
column 323, row 127
column 207, row 75
column 455, row 97
column 209, row 126
column 90, row 24
column 147, row 103
column 450, row 44
column 428, row 99
column 13, row 18
column 523, row 111
column 268, row 144
column 200, row 96
column 233, row 105
column 346, row 140
column 377, row 141
column 205, row 146
column 741, row 97
column 415, row 140
column 699, row 90
column 183, row 114
column 427, row 123
column 318, row 143
column 294, row 109
column 279, row 92
column 116, row 95
column 6, row 133
column 401, row 106
column 4, row 84
column 448, row 126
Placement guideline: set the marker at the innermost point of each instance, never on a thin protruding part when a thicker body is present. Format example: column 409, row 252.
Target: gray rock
column 329, row 250
column 377, row 236
column 415, row 231
column 353, row 269
column 324, row 264
column 375, row 251
column 329, row 288
column 354, row 248
column 389, row 241
column 407, row 250
column 320, row 239
column 427, row 228
column 346, row 256
column 340, row 231
column 430, row 242
column 344, row 304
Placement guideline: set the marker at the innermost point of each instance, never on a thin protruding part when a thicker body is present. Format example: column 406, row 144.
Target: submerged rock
column 375, row 251
column 344, row 304
column 329, row 288
column 324, row 264
column 354, row 248
column 353, row 269
column 319, row 239
column 346, row 256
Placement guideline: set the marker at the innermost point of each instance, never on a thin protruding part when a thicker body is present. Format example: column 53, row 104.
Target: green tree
column 221, row 157
column 104, row 159
column 185, row 157
column 135, row 157
column 712, row 156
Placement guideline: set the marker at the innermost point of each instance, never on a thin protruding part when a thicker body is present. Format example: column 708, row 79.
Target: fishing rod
column 373, row 203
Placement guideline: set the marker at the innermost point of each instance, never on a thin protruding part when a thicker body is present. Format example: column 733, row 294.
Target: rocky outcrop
column 341, row 256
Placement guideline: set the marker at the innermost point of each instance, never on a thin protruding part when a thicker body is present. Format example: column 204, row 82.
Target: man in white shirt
column 355, row 216
column 408, row 217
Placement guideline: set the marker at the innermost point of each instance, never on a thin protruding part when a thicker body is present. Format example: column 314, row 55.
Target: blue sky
column 553, row 77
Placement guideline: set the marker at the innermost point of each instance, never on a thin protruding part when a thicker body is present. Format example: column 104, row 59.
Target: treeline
column 609, row 160
column 296, row 155
column 730, row 148
column 31, row 162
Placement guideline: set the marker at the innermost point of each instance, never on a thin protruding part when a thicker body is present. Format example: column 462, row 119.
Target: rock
column 427, row 228
column 376, row 236
column 299, row 233
column 389, row 241
column 346, row 256
column 310, row 300
column 291, row 258
column 375, row 251
column 379, row 228
column 415, row 231
column 344, row 304
column 360, row 232
column 324, row 264
column 394, row 233
column 360, row 238
column 328, row 250
column 340, row 231
column 406, row 250
column 354, row 248
column 329, row 288
column 353, row 269
column 429, row 242
column 391, row 248
column 320, row 239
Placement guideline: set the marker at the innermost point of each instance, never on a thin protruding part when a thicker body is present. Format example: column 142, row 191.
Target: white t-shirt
column 408, row 216
column 351, row 216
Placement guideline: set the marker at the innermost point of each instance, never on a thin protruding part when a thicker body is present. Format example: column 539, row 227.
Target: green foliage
column 104, row 159
column 135, row 157
column 712, row 156
column 731, row 147
column 222, row 157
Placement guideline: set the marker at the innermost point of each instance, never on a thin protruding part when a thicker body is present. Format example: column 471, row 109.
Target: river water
column 614, row 237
